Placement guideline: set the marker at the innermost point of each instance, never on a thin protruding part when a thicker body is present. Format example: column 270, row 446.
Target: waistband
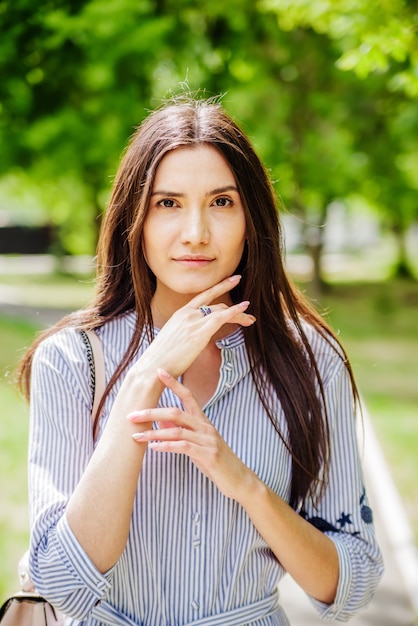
column 237, row 617
column 242, row 615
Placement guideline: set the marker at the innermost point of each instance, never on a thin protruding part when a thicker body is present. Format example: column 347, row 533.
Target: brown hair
column 277, row 345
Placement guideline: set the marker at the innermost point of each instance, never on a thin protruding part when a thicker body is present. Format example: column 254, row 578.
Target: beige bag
column 27, row 607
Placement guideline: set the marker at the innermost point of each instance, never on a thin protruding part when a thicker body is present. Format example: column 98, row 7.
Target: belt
column 243, row 615
column 237, row 617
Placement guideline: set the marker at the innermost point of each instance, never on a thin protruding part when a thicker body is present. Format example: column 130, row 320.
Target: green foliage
column 323, row 88
column 371, row 37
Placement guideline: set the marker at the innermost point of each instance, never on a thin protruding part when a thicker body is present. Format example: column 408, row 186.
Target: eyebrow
column 178, row 194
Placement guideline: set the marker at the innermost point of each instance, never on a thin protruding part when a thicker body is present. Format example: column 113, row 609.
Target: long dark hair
column 277, row 345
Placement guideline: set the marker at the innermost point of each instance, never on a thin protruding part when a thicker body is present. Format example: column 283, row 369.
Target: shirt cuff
column 89, row 585
column 339, row 606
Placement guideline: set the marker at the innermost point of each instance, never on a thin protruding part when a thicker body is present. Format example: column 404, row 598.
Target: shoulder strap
column 98, row 374
column 98, row 385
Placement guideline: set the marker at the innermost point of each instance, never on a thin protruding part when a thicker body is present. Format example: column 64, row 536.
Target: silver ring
column 206, row 310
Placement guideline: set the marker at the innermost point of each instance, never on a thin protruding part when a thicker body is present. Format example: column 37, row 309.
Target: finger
column 214, row 292
column 177, row 433
column 234, row 314
column 188, row 400
column 178, row 447
column 171, row 415
column 182, row 438
column 222, row 311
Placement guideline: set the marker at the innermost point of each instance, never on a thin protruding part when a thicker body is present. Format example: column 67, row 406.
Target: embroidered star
column 344, row 519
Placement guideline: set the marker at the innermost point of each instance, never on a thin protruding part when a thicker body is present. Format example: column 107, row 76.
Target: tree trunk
column 402, row 268
column 315, row 245
column 317, row 282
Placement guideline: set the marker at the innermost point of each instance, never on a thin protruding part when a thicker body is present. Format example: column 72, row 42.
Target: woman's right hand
column 187, row 333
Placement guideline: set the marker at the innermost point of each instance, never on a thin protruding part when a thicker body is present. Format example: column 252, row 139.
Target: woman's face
column 194, row 232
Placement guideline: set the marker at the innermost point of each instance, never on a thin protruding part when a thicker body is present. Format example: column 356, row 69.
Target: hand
column 190, row 432
column 187, row 333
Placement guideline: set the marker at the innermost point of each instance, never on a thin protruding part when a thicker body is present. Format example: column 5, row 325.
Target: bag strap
column 97, row 372
column 96, row 361
column 99, row 369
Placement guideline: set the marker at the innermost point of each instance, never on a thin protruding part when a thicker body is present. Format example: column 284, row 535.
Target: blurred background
column 328, row 93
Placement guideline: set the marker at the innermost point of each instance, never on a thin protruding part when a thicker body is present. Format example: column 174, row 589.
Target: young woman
column 226, row 453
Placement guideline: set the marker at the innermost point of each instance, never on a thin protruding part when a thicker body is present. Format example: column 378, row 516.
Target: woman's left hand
column 301, row 548
column 190, row 432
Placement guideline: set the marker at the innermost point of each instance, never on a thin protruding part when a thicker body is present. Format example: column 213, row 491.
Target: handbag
column 27, row 607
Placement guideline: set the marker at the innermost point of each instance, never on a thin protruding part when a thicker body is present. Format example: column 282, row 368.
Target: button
column 196, row 518
column 195, row 605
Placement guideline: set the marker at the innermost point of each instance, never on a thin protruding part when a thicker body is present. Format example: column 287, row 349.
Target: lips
column 194, row 261
column 199, row 257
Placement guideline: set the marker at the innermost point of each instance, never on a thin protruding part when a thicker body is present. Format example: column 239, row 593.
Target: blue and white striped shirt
column 193, row 556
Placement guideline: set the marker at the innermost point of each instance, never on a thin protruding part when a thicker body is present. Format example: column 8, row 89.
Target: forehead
column 194, row 164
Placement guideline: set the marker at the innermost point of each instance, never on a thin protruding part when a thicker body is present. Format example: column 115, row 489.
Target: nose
column 195, row 227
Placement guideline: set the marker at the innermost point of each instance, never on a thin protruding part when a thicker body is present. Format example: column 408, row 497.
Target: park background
column 328, row 93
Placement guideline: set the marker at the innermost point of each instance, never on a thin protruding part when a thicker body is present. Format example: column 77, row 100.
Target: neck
column 163, row 308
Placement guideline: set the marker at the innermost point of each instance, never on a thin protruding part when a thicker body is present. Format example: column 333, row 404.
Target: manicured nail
column 137, row 414
column 162, row 373
column 235, row 279
column 243, row 305
column 138, row 436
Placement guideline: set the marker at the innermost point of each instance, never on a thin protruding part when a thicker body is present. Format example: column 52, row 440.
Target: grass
column 376, row 322
column 14, row 525
column 379, row 328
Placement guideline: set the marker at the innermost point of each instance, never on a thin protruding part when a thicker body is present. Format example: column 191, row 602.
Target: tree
column 80, row 74
column 371, row 37
column 378, row 43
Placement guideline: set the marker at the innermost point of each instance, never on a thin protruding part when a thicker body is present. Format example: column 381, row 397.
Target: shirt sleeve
column 60, row 445
column 343, row 513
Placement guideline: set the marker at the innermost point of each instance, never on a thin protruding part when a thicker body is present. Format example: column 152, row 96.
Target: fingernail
column 137, row 414
column 244, row 304
column 252, row 318
column 235, row 279
column 138, row 436
column 163, row 373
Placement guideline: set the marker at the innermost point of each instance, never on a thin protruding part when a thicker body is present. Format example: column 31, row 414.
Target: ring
column 206, row 310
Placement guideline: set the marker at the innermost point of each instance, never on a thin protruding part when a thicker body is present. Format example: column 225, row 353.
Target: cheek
column 238, row 238
column 149, row 237
column 148, row 242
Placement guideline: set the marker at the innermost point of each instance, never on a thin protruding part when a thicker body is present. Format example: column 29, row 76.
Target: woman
column 227, row 453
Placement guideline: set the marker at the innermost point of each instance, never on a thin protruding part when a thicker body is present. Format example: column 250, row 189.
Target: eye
column 167, row 203
column 222, row 201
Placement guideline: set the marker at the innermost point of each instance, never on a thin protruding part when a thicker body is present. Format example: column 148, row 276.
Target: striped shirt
column 193, row 556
